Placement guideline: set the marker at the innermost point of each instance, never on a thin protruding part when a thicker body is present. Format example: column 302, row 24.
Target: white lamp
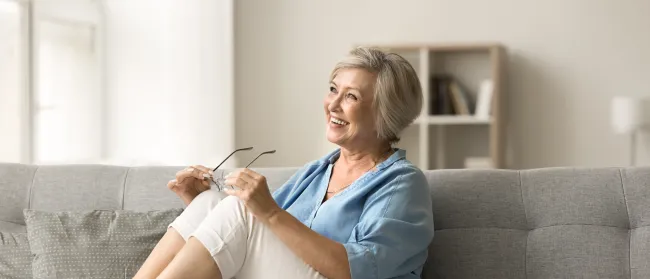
column 627, row 117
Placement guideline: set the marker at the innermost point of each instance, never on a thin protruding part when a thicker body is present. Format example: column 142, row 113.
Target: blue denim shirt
column 384, row 219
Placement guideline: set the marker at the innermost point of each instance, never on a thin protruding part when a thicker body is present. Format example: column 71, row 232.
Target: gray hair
column 398, row 93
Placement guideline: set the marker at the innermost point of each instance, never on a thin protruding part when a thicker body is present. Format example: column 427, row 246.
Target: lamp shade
column 626, row 114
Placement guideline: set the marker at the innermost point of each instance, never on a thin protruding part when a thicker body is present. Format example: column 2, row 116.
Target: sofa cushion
column 15, row 184
column 460, row 199
column 77, row 188
column 15, row 256
column 578, row 251
column 93, row 244
column 477, row 253
column 146, row 189
column 555, row 197
column 640, row 253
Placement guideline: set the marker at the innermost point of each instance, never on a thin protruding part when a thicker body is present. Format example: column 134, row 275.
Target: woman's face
column 348, row 109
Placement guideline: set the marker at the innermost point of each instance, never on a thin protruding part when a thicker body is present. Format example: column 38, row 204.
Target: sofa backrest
column 542, row 223
column 88, row 187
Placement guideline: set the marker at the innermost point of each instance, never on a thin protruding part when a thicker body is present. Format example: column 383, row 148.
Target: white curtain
column 170, row 82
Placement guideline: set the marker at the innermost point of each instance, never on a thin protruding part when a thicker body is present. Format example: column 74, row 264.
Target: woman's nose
column 335, row 104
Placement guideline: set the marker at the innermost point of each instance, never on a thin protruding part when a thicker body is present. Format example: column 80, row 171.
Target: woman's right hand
column 190, row 182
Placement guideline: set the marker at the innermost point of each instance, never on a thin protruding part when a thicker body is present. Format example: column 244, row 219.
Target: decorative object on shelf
column 627, row 117
column 484, row 100
column 478, row 163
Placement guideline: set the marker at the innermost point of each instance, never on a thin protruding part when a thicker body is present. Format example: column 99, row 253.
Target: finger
column 204, row 169
column 243, row 176
column 239, row 173
column 246, row 176
column 252, row 173
column 205, row 172
column 171, row 184
column 257, row 179
column 205, row 185
column 190, row 172
column 184, row 174
column 236, row 182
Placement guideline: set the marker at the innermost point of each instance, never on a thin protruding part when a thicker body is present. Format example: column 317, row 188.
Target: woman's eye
column 351, row 96
column 332, row 89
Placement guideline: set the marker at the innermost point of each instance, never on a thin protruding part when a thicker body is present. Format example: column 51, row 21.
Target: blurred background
column 179, row 82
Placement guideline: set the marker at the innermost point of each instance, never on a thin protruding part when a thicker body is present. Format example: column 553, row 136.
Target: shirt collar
column 399, row 154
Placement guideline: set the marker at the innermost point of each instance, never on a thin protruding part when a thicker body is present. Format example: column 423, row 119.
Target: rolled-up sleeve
column 394, row 230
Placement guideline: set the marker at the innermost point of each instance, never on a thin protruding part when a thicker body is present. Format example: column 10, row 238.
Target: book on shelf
column 449, row 97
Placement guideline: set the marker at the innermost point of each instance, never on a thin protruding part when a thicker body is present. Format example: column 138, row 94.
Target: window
column 12, row 90
column 50, row 81
column 56, row 102
column 67, row 111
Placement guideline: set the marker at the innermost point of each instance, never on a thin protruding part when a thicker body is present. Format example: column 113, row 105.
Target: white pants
column 239, row 244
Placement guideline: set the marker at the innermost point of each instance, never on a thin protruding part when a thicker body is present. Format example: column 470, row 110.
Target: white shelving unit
column 443, row 141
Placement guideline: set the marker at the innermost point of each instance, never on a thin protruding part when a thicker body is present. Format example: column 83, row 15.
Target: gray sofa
column 541, row 223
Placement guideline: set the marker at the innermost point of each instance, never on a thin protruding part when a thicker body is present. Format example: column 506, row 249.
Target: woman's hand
column 251, row 188
column 190, row 182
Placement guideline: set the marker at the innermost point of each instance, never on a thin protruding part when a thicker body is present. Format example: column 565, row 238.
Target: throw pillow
column 94, row 244
column 15, row 257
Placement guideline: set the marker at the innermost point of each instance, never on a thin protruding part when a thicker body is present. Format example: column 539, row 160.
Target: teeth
column 338, row 121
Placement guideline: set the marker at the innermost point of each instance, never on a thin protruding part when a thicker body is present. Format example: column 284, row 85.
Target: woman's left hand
column 251, row 188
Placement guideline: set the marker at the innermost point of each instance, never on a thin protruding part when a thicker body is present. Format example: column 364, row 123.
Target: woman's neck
column 363, row 159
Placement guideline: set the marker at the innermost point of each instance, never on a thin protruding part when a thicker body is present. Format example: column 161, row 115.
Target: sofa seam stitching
column 31, row 187
column 12, row 222
column 523, row 204
column 549, row 226
column 124, row 186
column 629, row 221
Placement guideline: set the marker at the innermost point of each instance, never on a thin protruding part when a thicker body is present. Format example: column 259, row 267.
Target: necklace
column 373, row 166
column 346, row 186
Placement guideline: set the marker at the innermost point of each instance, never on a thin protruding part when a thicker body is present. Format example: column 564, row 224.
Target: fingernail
column 206, row 176
column 211, row 172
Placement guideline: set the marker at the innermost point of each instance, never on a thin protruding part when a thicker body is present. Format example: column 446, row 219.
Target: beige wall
column 567, row 59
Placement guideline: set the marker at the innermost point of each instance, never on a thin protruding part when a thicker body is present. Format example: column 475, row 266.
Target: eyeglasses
column 219, row 179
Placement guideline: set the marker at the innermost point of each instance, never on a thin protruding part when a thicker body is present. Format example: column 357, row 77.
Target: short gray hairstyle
column 398, row 93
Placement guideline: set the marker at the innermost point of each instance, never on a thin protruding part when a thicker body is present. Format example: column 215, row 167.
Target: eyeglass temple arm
column 224, row 160
column 265, row 152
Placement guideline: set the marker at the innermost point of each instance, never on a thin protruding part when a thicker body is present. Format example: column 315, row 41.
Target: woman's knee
column 230, row 207
column 196, row 212
column 209, row 199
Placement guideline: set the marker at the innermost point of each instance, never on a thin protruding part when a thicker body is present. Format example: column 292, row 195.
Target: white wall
column 566, row 60
column 169, row 77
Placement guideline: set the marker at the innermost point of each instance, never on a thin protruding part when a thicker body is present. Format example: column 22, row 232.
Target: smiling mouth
column 338, row 121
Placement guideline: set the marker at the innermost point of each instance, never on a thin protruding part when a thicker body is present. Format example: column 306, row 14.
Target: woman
column 362, row 211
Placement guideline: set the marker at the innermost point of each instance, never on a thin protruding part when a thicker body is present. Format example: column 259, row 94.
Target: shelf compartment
column 452, row 120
